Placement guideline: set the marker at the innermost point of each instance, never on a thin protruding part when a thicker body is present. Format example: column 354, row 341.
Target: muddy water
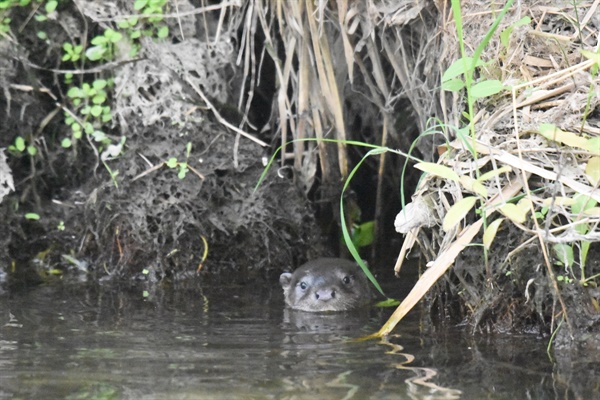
column 201, row 342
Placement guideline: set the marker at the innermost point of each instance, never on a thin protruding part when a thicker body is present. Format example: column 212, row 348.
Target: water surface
column 208, row 341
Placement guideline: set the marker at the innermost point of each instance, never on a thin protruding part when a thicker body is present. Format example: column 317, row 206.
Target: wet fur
column 326, row 284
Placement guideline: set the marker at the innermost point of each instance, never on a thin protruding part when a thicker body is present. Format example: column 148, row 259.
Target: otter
column 326, row 284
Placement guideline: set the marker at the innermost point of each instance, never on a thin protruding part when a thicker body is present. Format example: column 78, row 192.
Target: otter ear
column 285, row 279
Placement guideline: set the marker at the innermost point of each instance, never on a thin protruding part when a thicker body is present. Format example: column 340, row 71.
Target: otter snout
column 325, row 294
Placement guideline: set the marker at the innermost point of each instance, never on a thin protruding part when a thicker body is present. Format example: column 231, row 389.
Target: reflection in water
column 421, row 385
column 236, row 342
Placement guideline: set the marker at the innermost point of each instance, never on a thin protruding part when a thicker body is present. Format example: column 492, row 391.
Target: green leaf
column 457, row 212
column 42, row 35
column 564, row 253
column 582, row 203
column 552, row 132
column 490, row 233
column 66, row 143
column 486, row 88
column 592, row 170
column 32, row 150
column 87, row 89
column 99, row 99
column 363, row 234
column 139, row 4
column 505, row 34
column 89, row 128
column 112, row 35
column 74, row 92
column 99, row 84
column 182, row 172
column 95, row 53
column 100, row 40
column 51, row 6
column 32, row 216
column 96, row 110
column 593, row 145
column 387, row 303
column 438, row 170
column 377, row 150
column 490, row 174
column 20, row 143
column 459, row 67
column 516, row 212
column 99, row 136
column 473, row 185
column 172, row 162
column 163, row 32
column 453, row 85
column 595, row 57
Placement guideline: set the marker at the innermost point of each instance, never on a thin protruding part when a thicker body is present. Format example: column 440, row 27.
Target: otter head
column 326, row 284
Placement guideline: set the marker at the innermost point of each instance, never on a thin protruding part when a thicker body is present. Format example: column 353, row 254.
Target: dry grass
column 543, row 134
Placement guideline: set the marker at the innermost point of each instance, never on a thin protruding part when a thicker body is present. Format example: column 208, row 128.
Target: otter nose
column 325, row 294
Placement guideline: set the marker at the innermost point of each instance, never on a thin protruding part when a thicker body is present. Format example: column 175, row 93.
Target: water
column 203, row 342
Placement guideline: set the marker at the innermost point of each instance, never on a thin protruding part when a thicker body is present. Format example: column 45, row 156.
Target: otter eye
column 303, row 285
column 347, row 279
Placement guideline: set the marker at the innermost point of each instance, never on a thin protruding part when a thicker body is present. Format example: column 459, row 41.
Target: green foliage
column 20, row 146
column 363, row 234
column 72, row 53
column 103, row 46
column 6, row 5
column 90, row 102
column 564, row 278
column 507, row 32
column 565, row 252
column 182, row 166
column 90, row 109
column 466, row 66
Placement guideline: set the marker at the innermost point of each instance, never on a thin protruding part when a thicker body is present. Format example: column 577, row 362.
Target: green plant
column 89, row 101
column 182, row 166
column 6, row 5
column 20, row 146
column 135, row 28
column 72, row 52
column 581, row 206
column 103, row 46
